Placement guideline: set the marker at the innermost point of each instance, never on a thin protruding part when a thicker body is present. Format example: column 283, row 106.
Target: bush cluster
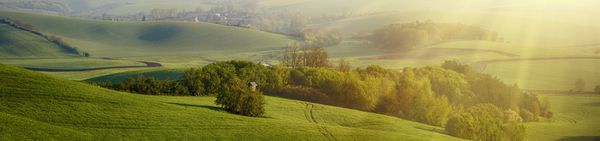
column 413, row 35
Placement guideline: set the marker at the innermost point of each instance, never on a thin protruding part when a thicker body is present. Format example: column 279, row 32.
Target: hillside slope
column 121, row 39
column 84, row 112
column 15, row 43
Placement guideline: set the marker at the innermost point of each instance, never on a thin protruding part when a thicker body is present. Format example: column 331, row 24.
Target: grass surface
column 69, row 63
column 15, row 43
column 575, row 119
column 61, row 109
column 173, row 44
column 547, row 74
column 132, row 39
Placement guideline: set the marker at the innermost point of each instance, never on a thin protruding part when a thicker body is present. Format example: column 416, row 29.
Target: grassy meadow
column 133, row 39
column 85, row 112
column 16, row 43
column 546, row 46
column 575, row 120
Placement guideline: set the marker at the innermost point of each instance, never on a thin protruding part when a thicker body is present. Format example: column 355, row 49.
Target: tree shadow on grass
column 214, row 108
column 580, row 138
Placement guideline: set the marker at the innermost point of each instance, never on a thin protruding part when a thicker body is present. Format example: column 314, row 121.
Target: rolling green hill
column 38, row 106
column 127, row 39
column 15, row 43
column 576, row 119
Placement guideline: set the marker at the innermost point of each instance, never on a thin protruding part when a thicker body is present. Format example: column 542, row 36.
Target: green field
column 576, row 119
column 547, row 46
column 132, row 39
column 15, row 43
column 84, row 112
column 548, row 74
column 173, row 44
column 69, row 63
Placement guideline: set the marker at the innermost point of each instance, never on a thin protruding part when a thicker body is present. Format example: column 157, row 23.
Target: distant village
column 232, row 14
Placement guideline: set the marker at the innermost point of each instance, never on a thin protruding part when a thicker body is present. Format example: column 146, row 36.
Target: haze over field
column 483, row 70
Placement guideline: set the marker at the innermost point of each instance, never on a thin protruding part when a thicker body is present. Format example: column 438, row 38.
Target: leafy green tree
column 400, row 37
column 514, row 131
column 192, row 80
column 343, row 65
column 215, row 75
column 528, row 116
column 236, row 98
column 484, row 122
column 447, row 83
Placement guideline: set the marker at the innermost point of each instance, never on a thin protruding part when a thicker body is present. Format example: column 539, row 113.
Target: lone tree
column 239, row 99
column 344, row 66
column 579, row 85
column 597, row 89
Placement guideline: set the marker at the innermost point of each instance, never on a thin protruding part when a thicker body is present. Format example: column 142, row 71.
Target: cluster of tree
column 241, row 100
column 486, row 122
column 148, row 85
column 488, row 89
column 54, row 39
column 432, row 95
column 321, row 37
column 413, row 35
column 297, row 55
column 20, row 25
column 597, row 89
column 225, row 80
column 469, row 104
column 65, row 46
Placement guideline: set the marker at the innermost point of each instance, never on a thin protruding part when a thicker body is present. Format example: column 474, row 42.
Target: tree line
column 298, row 55
column 51, row 38
column 316, row 37
column 228, row 81
column 417, row 34
column 469, row 104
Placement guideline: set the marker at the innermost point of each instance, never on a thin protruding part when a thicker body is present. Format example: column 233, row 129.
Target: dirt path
column 148, row 65
column 308, row 114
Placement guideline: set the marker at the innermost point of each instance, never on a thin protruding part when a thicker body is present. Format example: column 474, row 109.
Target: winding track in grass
column 308, row 113
column 148, row 65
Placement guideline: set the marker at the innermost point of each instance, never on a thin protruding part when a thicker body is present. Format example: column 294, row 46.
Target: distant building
column 265, row 64
column 253, row 86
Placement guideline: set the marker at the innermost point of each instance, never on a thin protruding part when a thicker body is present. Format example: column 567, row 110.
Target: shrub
column 528, row 116
column 514, row 131
column 485, row 122
column 192, row 81
column 238, row 99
